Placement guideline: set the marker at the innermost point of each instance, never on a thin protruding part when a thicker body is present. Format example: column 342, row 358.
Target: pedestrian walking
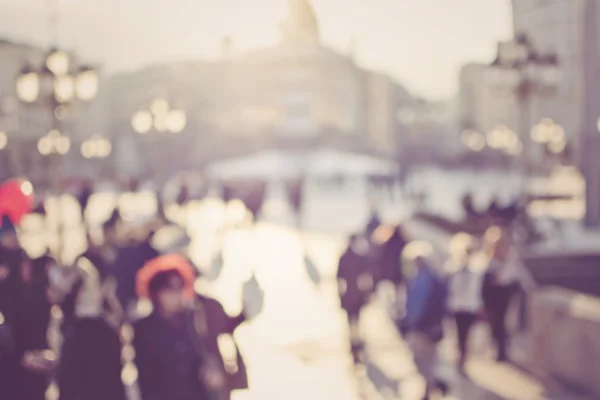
column 91, row 353
column 355, row 285
column 391, row 258
column 425, row 311
column 31, row 321
column 219, row 324
column 465, row 301
column 504, row 276
column 170, row 344
column 12, row 257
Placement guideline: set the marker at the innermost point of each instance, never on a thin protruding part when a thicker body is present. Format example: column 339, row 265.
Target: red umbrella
column 16, row 199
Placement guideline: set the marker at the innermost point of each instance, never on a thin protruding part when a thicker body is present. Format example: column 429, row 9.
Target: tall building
column 483, row 104
column 298, row 88
column 557, row 27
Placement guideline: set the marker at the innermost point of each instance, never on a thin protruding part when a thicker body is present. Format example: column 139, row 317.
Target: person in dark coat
column 131, row 257
column 91, row 354
column 219, row 323
column 355, row 284
column 500, row 284
column 31, row 321
column 171, row 355
column 391, row 268
column 11, row 259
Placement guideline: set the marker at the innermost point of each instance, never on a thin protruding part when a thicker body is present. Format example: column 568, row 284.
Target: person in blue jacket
column 425, row 311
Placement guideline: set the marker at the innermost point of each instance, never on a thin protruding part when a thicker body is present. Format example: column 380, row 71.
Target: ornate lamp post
column 529, row 74
column 160, row 118
column 56, row 86
column 54, row 143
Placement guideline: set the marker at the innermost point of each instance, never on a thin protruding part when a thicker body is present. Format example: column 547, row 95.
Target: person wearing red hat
column 171, row 356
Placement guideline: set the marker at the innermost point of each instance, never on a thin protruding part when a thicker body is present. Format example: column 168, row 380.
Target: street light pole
column 524, row 92
column 56, row 85
column 159, row 118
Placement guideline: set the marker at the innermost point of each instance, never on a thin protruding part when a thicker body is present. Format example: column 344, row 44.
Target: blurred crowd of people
column 477, row 284
column 175, row 346
column 97, row 303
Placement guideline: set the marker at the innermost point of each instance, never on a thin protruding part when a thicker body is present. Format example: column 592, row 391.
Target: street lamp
column 96, row 147
column 504, row 139
column 160, row 117
column 56, row 85
column 546, row 131
column 57, row 81
column 54, row 143
column 529, row 74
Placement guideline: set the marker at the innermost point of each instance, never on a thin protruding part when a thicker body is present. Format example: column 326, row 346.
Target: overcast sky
column 422, row 43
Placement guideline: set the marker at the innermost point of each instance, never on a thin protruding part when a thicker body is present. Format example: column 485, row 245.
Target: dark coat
column 391, row 266
column 129, row 261
column 31, row 322
column 351, row 267
column 11, row 259
column 167, row 360
column 9, row 287
column 219, row 323
column 91, row 362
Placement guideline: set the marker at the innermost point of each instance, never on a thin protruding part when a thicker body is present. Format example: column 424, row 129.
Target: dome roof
column 301, row 21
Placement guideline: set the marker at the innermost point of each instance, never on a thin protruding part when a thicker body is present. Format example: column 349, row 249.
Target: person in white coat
column 465, row 301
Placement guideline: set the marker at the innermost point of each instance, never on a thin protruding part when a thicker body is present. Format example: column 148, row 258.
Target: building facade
column 296, row 93
column 557, row 27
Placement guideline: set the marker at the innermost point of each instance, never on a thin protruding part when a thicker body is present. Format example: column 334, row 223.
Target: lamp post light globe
column 58, row 62
column 159, row 106
column 64, row 89
column 176, row 121
column 557, row 147
column 44, row 145
column 160, row 117
column 86, row 84
column 142, row 122
column 87, row 149
column 28, row 85
column 96, row 148
column 161, row 122
column 62, row 145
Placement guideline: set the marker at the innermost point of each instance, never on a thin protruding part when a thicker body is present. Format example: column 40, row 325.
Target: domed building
column 302, row 23
column 298, row 88
column 296, row 93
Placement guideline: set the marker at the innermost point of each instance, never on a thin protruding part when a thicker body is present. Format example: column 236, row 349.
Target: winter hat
column 156, row 274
